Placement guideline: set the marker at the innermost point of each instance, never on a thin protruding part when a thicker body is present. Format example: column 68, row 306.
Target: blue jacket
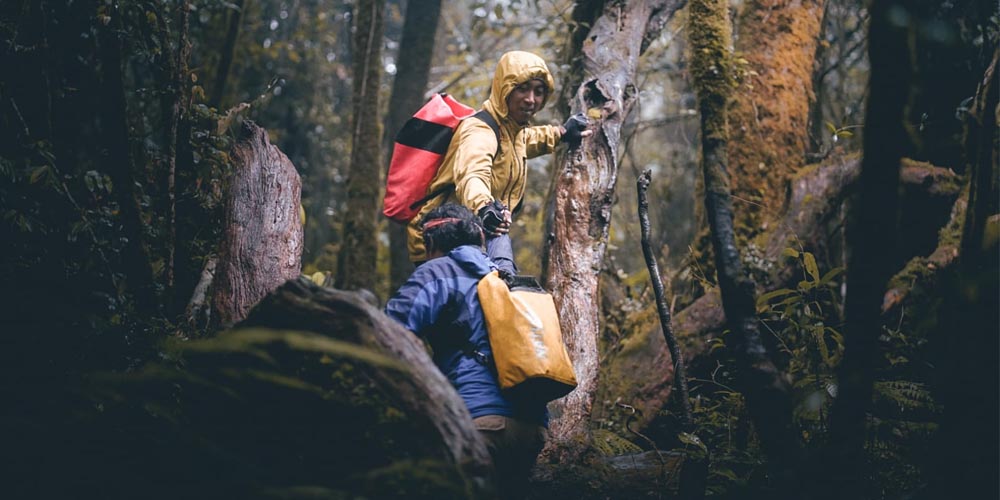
column 439, row 302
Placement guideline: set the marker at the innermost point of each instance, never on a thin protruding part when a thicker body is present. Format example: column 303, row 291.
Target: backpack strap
column 485, row 117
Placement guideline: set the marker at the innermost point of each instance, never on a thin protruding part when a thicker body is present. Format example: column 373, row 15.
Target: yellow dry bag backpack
column 528, row 350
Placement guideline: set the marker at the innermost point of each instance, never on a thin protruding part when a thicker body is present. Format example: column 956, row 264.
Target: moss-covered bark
column 769, row 114
column 765, row 390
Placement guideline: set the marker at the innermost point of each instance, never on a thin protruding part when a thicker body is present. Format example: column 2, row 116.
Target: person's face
column 525, row 100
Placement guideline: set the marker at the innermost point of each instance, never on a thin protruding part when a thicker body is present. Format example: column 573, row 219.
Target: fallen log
column 423, row 393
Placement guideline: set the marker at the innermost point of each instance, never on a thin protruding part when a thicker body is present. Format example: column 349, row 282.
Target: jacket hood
column 513, row 69
column 472, row 260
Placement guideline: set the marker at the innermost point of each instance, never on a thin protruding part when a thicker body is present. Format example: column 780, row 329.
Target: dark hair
column 461, row 227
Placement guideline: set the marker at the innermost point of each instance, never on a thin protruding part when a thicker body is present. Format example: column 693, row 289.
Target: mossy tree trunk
column 358, row 251
column 584, row 192
column 769, row 113
column 412, row 72
column 766, row 392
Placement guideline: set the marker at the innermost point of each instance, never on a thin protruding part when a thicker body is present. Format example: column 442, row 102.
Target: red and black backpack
column 418, row 152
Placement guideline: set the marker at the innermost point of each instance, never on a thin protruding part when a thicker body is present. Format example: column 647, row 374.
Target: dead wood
column 604, row 79
column 262, row 243
column 680, row 374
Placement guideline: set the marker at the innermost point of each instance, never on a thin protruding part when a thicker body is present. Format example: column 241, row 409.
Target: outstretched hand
column 575, row 129
column 496, row 218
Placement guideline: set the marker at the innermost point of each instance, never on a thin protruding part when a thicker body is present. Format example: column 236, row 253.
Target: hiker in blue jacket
column 439, row 302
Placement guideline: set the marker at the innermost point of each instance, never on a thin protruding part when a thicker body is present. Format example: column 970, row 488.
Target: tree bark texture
column 262, row 241
column 769, row 114
column 765, row 391
column 871, row 234
column 583, row 195
column 359, row 248
column 425, row 393
column 412, row 73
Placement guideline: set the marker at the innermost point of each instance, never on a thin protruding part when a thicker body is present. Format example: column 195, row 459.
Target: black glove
column 574, row 126
column 492, row 216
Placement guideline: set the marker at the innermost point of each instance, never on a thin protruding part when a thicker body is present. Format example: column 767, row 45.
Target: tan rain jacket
column 469, row 164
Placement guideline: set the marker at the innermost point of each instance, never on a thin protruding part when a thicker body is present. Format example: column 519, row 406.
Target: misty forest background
column 822, row 225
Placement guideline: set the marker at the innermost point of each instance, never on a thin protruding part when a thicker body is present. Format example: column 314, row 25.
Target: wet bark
column 262, row 241
column 424, row 393
column 413, row 70
column 583, row 195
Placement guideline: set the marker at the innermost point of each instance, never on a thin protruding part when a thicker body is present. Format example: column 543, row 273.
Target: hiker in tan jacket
column 489, row 178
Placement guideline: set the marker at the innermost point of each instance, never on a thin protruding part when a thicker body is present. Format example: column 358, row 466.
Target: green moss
column 611, row 444
column 951, row 233
column 710, row 36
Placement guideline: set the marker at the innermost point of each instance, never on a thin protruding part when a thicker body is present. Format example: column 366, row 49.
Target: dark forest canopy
column 179, row 179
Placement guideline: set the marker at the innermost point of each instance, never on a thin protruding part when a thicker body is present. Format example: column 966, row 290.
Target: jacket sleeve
column 473, row 165
column 541, row 140
column 418, row 303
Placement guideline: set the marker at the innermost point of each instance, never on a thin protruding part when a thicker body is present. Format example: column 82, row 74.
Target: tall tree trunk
column 178, row 109
column 412, row 72
column 262, row 245
column 765, row 391
column 228, row 52
column 871, row 234
column 769, row 114
column 356, row 262
column 583, row 195
column 114, row 124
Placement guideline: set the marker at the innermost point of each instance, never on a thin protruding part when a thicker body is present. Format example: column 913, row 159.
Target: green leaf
column 831, row 127
column 691, row 439
column 37, row 173
column 845, row 134
column 790, row 252
column 811, row 267
column 789, row 301
column 762, row 301
column 832, row 273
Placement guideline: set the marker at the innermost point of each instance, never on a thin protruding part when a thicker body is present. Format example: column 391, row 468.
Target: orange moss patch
column 768, row 117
